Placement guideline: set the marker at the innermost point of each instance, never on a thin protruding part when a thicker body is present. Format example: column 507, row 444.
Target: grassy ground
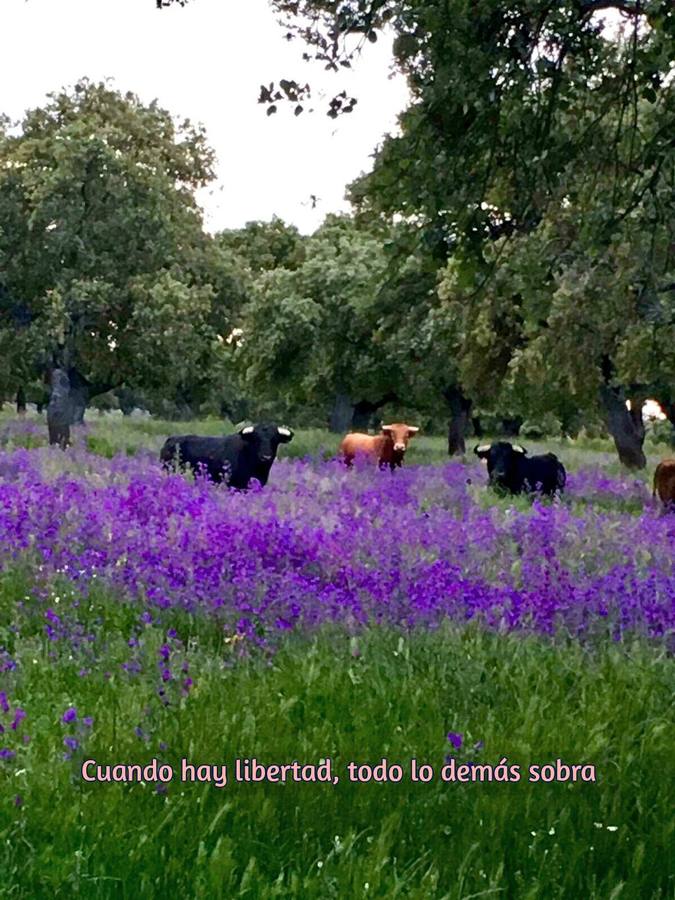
column 108, row 435
column 359, row 699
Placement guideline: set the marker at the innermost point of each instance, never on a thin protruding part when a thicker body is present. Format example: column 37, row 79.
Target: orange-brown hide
column 387, row 449
column 664, row 481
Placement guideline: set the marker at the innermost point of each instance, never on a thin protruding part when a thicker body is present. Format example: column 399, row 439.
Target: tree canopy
column 512, row 247
column 105, row 267
column 308, row 331
column 536, row 163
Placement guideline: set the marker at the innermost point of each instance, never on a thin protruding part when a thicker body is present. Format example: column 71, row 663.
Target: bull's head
column 502, row 460
column 264, row 439
column 400, row 435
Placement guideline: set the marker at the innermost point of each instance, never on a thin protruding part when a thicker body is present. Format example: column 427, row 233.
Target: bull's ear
column 285, row 434
column 412, row 429
column 482, row 450
column 519, row 449
column 247, row 431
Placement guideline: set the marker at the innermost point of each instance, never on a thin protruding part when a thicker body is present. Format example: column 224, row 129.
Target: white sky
column 206, row 62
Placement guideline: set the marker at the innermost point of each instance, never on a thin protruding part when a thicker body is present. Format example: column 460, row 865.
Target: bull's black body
column 511, row 470
column 234, row 458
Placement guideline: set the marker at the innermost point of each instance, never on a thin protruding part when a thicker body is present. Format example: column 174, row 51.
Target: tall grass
column 379, row 695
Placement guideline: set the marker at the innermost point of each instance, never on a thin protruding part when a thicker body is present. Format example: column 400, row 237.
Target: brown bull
column 388, row 448
column 664, row 482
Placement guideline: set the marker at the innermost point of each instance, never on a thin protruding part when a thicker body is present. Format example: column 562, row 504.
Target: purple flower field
column 322, row 545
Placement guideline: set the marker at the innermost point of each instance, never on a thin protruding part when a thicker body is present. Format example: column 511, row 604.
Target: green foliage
column 104, row 264
column 536, row 165
column 264, row 246
column 661, row 432
column 411, row 332
column 546, row 426
column 309, row 330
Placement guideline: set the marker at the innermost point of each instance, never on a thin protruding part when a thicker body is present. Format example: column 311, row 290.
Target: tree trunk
column 79, row 399
column 364, row 410
column 626, row 426
column 21, row 401
column 81, row 392
column 362, row 415
column 70, row 393
column 477, row 427
column 511, row 426
column 341, row 414
column 125, row 399
column 460, row 409
column 186, row 408
column 59, row 411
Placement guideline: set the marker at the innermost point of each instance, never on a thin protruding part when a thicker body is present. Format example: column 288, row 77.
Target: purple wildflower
column 19, row 715
column 455, row 739
column 70, row 715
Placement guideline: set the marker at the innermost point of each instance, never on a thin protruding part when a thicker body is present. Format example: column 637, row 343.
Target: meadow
column 353, row 616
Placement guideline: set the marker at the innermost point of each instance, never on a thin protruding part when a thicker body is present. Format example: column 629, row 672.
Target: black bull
column 510, row 469
column 234, row 458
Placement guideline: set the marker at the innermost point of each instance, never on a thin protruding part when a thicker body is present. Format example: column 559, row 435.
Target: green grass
column 360, row 698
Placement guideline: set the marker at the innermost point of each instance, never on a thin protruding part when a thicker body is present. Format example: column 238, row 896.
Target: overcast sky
column 206, row 62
